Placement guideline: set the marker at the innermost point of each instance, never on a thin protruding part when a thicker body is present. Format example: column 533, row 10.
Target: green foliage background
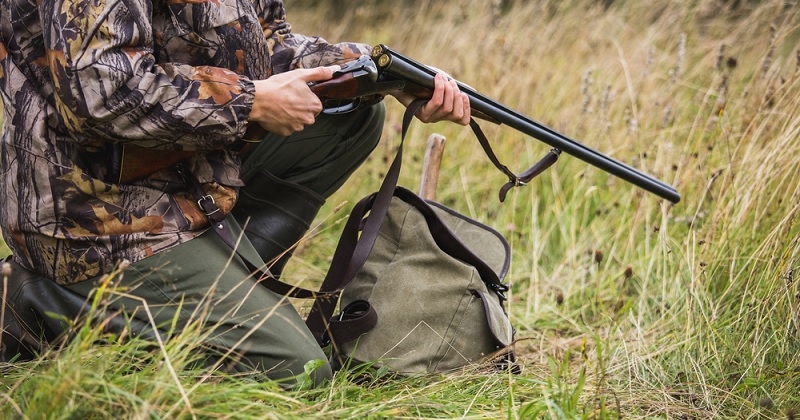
column 625, row 305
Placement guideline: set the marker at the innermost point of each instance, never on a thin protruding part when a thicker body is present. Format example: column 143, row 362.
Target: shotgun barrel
column 393, row 65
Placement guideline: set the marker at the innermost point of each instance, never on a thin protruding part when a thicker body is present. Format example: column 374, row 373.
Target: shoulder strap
column 220, row 225
column 352, row 252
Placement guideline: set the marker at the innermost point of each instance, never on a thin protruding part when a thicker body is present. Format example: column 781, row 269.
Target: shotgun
column 368, row 79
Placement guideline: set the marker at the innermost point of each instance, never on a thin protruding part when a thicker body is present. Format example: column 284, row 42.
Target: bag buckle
column 208, row 208
column 500, row 289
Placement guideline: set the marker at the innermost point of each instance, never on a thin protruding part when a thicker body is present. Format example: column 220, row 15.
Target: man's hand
column 284, row 104
column 448, row 103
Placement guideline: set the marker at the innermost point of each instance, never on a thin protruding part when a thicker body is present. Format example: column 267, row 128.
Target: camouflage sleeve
column 299, row 51
column 109, row 87
column 290, row 50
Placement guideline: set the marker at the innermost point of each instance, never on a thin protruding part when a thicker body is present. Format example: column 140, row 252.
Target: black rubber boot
column 36, row 310
column 275, row 215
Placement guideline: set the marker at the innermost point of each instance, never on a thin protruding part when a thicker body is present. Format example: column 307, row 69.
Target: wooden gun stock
column 138, row 162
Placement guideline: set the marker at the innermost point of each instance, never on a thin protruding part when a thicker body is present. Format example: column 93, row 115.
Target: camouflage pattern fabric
column 80, row 79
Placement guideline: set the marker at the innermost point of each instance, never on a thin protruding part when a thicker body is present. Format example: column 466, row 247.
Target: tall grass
column 625, row 305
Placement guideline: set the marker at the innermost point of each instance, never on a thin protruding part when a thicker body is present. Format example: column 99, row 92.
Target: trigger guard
column 342, row 109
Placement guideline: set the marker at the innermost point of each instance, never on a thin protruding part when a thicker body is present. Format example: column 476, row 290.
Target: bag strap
column 352, row 251
column 220, row 225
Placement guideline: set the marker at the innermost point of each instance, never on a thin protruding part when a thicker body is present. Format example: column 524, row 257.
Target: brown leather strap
column 514, row 180
column 352, row 251
column 354, row 320
column 220, row 225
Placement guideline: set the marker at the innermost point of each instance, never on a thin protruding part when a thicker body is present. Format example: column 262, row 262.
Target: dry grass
column 626, row 305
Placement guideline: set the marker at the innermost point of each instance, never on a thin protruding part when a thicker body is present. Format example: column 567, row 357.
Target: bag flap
column 485, row 242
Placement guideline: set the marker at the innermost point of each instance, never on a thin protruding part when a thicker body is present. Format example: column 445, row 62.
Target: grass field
column 625, row 305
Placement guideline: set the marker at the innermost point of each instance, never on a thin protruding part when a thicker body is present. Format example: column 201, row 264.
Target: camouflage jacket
column 82, row 79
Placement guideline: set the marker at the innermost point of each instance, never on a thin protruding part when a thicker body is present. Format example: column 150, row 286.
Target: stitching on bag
column 472, row 300
column 448, row 344
column 420, row 323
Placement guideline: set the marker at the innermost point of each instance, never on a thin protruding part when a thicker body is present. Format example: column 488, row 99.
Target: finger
column 466, row 108
column 451, row 106
column 318, row 74
column 439, row 84
column 449, row 96
column 455, row 103
column 428, row 111
column 316, row 108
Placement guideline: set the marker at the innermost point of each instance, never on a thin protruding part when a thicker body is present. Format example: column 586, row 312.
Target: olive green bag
column 429, row 296
column 420, row 286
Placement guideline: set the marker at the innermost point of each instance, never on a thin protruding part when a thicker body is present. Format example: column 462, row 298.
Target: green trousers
column 204, row 281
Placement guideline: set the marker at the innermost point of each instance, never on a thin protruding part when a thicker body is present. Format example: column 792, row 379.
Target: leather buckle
column 208, row 208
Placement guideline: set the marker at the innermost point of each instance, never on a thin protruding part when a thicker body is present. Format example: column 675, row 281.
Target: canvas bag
column 429, row 297
column 422, row 286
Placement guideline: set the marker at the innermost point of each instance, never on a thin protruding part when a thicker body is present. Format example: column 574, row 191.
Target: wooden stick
column 430, row 166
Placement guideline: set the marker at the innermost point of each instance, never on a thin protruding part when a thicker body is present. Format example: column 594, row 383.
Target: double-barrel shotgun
column 370, row 78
